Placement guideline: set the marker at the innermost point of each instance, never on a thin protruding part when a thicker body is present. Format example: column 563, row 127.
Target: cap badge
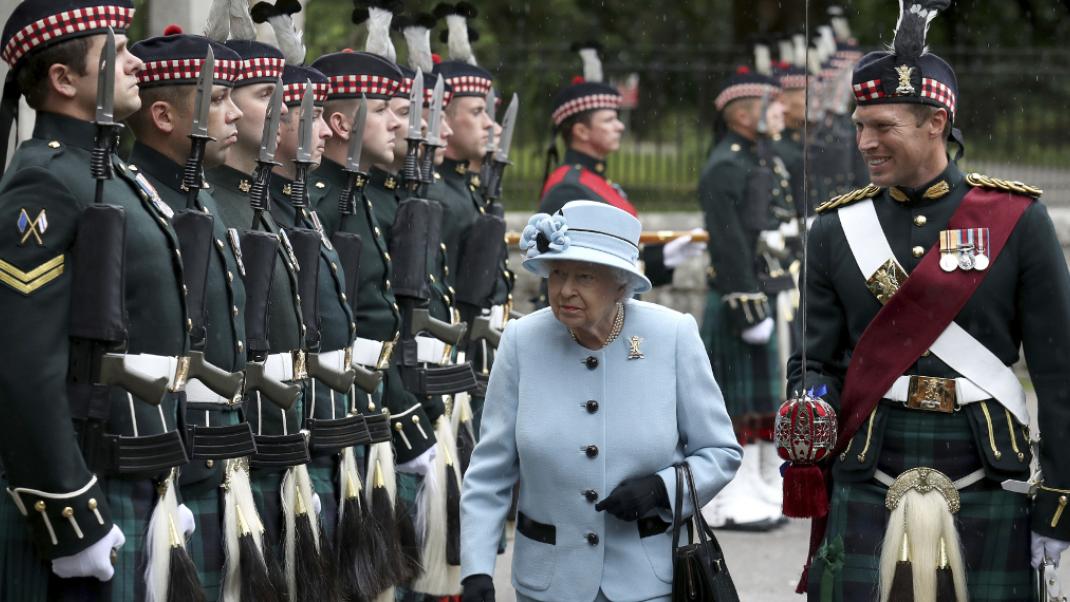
column 905, row 88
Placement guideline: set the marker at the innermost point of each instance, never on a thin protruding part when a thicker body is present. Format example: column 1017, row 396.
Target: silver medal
column 948, row 263
column 965, row 260
column 980, row 262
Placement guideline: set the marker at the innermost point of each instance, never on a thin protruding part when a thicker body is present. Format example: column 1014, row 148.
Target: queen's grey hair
column 623, row 278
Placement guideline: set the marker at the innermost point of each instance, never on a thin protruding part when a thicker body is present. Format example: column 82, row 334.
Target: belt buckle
column 385, row 355
column 181, row 374
column 300, row 370
column 931, row 394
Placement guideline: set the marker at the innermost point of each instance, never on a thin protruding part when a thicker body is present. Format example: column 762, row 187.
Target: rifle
column 260, row 249
column 194, row 230
column 349, row 245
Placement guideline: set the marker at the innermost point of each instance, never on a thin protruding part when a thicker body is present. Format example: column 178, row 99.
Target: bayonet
column 416, row 106
column 501, row 155
column 265, row 160
column 303, row 159
column 411, row 171
column 304, row 126
column 434, row 129
column 100, row 159
column 434, row 120
column 492, row 109
column 192, row 176
column 356, row 178
column 495, row 169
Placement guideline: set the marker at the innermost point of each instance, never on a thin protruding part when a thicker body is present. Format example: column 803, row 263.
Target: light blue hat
column 584, row 231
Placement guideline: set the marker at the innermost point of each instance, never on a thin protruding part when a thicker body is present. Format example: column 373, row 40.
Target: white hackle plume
column 763, row 63
column 592, row 64
column 787, row 51
column 217, row 26
column 828, row 40
column 241, row 22
column 799, row 41
column 418, row 40
column 379, row 41
column 289, row 40
column 460, row 49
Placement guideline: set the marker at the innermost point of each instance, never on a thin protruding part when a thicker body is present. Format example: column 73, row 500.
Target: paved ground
column 765, row 567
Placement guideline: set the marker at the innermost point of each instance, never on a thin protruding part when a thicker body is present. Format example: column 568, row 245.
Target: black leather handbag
column 699, row 572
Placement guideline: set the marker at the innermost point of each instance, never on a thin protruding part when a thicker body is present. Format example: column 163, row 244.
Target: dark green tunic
column 49, row 176
column 377, row 315
column 1021, row 304
column 224, row 347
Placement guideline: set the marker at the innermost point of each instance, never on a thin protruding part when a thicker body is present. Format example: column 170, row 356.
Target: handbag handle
column 706, row 538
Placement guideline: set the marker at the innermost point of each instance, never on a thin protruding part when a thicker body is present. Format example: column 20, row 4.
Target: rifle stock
column 115, row 372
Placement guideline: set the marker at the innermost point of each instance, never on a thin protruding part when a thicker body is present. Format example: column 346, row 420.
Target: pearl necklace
column 618, row 325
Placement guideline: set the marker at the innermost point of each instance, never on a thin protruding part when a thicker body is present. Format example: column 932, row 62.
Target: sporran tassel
column 438, row 578
column 358, row 539
column 381, row 517
column 169, row 575
column 945, row 578
column 461, row 422
column 903, row 581
column 246, row 576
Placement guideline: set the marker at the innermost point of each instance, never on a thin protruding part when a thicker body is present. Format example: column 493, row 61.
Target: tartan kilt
column 267, row 487
column 23, row 574
column 205, row 546
column 131, row 502
column 408, row 486
column 750, row 376
column 993, row 524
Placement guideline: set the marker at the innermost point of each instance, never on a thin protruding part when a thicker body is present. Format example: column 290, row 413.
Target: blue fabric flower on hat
column 544, row 233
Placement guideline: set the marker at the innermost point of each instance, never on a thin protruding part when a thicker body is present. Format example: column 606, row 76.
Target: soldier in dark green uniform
column 585, row 114
column 740, row 194
column 792, row 77
column 922, row 289
column 60, row 444
column 231, row 183
column 162, row 127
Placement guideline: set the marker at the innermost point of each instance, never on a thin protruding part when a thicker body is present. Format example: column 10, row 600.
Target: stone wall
column 688, row 291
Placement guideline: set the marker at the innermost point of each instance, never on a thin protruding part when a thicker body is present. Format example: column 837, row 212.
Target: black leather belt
column 333, row 435
column 119, row 455
column 220, row 442
column 378, row 428
column 545, row 533
column 279, row 451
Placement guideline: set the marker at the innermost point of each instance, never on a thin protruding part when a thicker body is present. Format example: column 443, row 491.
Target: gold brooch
column 886, row 281
column 244, row 186
column 633, row 348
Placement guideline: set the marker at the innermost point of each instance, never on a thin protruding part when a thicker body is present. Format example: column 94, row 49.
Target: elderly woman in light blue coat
column 590, row 404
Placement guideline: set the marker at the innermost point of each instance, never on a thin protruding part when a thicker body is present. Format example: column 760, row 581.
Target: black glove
column 635, row 497
column 477, row 588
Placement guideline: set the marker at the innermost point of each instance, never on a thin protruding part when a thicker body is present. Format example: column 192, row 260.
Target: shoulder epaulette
column 868, row 192
column 982, row 181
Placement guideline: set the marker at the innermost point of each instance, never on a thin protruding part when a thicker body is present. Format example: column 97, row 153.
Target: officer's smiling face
column 898, row 149
column 583, row 296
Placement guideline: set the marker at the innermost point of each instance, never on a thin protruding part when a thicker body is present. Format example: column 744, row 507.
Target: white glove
column 317, row 505
column 789, row 229
column 94, row 561
column 185, row 523
column 680, row 249
column 772, row 240
column 759, row 333
column 420, row 464
column 1046, row 547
